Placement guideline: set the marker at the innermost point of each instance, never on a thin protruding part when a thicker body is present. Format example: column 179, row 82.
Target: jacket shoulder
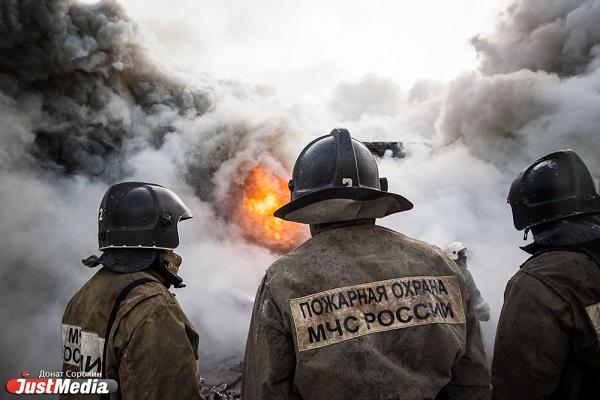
column 145, row 298
column 416, row 245
column 373, row 240
column 106, row 286
column 97, row 296
column 423, row 251
column 569, row 274
column 561, row 265
column 142, row 303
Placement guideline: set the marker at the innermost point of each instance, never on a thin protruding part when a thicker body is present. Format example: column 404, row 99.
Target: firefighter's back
column 373, row 314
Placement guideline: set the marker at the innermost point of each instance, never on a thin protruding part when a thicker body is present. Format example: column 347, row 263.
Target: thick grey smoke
column 537, row 91
column 85, row 102
column 556, row 36
column 86, row 99
column 83, row 74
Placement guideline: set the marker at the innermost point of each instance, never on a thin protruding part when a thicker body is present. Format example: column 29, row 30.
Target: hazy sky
column 304, row 48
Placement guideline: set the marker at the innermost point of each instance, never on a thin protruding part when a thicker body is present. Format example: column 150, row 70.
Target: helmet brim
column 128, row 260
column 342, row 204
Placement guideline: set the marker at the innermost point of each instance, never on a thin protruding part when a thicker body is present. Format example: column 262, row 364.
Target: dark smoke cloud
column 555, row 36
column 538, row 90
column 511, row 118
column 95, row 93
column 85, row 102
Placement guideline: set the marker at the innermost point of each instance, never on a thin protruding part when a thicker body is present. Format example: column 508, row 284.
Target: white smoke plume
column 86, row 99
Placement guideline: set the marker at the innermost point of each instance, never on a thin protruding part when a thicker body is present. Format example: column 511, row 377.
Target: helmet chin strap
column 169, row 263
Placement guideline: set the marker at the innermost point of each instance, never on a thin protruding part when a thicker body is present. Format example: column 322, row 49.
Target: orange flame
column 265, row 192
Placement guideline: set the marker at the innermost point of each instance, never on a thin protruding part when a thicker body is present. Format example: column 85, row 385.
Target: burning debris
column 222, row 392
column 224, row 382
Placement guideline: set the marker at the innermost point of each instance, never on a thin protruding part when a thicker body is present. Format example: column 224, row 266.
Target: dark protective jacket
column 547, row 343
column 363, row 312
column 152, row 349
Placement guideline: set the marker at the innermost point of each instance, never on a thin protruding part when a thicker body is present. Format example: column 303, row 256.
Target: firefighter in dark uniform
column 547, row 343
column 359, row 311
column 123, row 324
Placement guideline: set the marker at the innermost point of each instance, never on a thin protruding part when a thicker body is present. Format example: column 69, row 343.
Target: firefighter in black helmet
column 359, row 311
column 547, row 343
column 123, row 324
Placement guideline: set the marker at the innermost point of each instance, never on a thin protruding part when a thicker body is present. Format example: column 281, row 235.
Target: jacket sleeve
column 532, row 341
column 474, row 292
column 159, row 362
column 471, row 375
column 480, row 307
column 269, row 363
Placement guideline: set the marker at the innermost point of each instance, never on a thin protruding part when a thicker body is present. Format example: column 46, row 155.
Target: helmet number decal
column 347, row 181
column 100, row 214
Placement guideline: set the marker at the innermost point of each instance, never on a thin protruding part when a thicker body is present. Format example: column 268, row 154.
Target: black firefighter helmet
column 556, row 186
column 140, row 215
column 336, row 178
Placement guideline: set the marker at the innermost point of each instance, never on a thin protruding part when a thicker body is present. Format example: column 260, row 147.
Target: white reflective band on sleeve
column 593, row 313
column 336, row 315
column 83, row 349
